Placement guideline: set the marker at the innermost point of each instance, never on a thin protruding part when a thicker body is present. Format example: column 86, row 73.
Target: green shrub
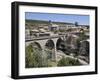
column 68, row 62
column 33, row 57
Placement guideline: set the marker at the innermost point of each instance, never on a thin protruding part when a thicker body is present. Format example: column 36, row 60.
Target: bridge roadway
column 44, row 37
column 30, row 38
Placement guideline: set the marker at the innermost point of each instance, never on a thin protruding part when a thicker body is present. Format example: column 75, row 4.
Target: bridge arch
column 59, row 44
column 50, row 49
column 50, row 44
column 33, row 51
column 36, row 45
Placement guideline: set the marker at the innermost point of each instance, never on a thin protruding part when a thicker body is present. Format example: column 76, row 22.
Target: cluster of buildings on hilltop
column 48, row 28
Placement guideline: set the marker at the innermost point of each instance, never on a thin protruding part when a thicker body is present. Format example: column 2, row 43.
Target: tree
column 34, row 57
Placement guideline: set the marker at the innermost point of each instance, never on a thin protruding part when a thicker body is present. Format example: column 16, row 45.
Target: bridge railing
column 29, row 38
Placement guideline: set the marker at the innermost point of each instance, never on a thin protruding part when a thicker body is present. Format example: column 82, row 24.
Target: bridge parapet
column 43, row 38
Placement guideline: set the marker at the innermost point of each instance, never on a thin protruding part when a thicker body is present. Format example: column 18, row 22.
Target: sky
column 69, row 18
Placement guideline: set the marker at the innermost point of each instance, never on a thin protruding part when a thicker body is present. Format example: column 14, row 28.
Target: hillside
column 45, row 22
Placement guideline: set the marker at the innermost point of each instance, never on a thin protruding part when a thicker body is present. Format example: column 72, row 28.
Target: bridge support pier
column 54, row 56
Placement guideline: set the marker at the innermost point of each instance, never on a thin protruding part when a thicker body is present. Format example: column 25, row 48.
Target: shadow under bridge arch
column 50, row 49
column 60, row 45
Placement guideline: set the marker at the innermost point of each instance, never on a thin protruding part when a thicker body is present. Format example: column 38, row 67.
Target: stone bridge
column 52, row 41
column 41, row 42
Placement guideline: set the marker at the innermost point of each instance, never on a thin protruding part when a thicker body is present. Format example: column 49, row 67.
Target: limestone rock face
column 72, row 44
column 84, row 48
